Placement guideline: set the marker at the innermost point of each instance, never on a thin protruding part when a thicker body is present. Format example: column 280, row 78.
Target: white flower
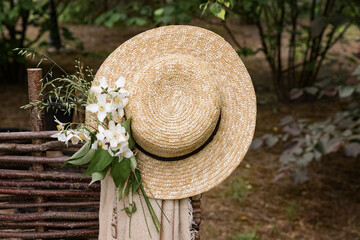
column 115, row 135
column 120, row 98
column 117, row 115
column 101, row 107
column 73, row 137
column 100, row 135
column 124, row 152
column 102, row 86
column 60, row 126
column 61, row 136
column 117, row 101
column 83, row 134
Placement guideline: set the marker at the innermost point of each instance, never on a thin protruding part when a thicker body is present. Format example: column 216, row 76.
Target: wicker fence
column 38, row 198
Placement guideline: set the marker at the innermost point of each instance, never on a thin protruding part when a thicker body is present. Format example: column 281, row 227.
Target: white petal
column 86, row 135
column 112, row 126
column 121, row 112
column 101, row 116
column 120, row 82
column 94, row 145
column 96, row 89
column 101, row 99
column 105, row 147
column 113, row 143
column 62, row 138
column 108, row 107
column 108, row 134
column 122, row 138
column 128, row 153
column 100, row 137
column 118, row 128
column 101, row 129
column 103, row 82
column 92, row 108
column 57, row 121
column 125, row 144
column 125, row 101
column 55, row 135
column 110, row 152
column 75, row 140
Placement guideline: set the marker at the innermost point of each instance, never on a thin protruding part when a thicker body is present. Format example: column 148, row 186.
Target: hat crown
column 175, row 106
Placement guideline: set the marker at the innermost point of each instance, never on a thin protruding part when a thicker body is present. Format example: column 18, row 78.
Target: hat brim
column 209, row 167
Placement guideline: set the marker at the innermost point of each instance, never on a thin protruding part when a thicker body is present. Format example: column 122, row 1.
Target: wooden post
column 196, row 204
column 36, row 123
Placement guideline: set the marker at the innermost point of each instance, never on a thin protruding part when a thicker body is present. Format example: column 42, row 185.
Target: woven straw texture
column 181, row 79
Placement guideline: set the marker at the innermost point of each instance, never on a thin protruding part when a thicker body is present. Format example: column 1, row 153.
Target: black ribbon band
column 186, row 155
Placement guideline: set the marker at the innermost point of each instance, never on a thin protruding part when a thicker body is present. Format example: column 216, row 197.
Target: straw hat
column 192, row 105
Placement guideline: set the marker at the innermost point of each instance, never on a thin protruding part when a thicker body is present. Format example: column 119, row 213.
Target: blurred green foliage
column 247, row 235
column 296, row 35
column 112, row 13
column 306, row 141
column 15, row 19
column 238, row 189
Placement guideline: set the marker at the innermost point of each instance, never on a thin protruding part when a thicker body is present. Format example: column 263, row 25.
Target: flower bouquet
column 108, row 143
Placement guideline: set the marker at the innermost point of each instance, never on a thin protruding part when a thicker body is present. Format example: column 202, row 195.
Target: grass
column 291, row 210
column 249, row 235
column 237, row 189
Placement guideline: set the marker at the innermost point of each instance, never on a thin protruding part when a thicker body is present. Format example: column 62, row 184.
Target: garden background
column 301, row 177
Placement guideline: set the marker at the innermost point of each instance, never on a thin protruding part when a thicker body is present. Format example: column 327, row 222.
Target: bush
column 132, row 13
column 306, row 141
column 296, row 35
column 15, row 19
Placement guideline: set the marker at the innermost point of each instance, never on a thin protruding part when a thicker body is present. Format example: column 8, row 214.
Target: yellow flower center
column 100, row 143
column 122, row 154
column 116, row 135
column 117, row 99
column 58, row 127
column 81, row 136
column 101, row 108
column 118, row 119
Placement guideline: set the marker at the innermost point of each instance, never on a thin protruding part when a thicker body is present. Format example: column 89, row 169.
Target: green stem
column 143, row 210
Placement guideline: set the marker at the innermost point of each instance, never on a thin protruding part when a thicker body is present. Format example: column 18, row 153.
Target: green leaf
column 81, row 152
column 159, row 12
column 311, row 90
column 98, row 176
column 133, row 163
column 120, row 171
column 154, row 217
column 271, row 141
column 217, row 10
column 78, row 155
column 346, row 91
column 85, row 159
column 245, row 51
column 121, row 190
column 127, row 210
column 99, row 162
column 127, row 125
column 127, row 188
column 221, row 14
column 136, row 181
column 133, row 207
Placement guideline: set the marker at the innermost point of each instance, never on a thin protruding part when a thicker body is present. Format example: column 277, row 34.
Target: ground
column 249, row 204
